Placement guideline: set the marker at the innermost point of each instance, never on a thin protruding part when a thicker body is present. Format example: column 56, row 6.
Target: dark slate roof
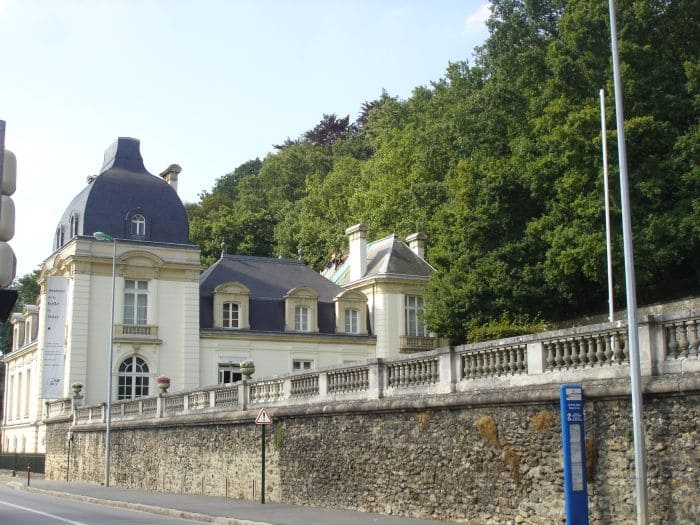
column 388, row 256
column 123, row 188
column 268, row 280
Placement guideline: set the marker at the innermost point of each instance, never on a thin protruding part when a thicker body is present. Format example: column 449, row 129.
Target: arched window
column 138, row 224
column 133, row 378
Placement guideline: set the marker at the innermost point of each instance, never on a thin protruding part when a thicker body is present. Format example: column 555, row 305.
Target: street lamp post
column 630, row 285
column 101, row 236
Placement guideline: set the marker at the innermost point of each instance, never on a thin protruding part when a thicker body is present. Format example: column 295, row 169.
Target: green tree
column 28, row 291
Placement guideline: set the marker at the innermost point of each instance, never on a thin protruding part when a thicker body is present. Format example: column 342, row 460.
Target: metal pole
column 108, row 423
column 635, row 373
column 608, row 247
column 262, row 485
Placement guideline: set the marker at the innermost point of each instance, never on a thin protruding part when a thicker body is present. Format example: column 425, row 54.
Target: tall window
column 301, row 319
column 351, row 316
column 73, row 226
column 138, row 224
column 133, row 378
column 414, row 316
column 135, row 302
column 232, row 315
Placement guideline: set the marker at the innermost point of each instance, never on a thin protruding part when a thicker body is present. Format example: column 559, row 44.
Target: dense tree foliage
column 500, row 163
column 27, row 288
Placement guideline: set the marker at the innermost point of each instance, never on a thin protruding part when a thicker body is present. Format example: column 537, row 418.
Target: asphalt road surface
column 18, row 507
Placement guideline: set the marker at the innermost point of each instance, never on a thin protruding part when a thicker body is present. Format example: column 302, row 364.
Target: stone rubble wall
column 496, row 460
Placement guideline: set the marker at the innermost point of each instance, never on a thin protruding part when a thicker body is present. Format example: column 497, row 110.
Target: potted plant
column 163, row 384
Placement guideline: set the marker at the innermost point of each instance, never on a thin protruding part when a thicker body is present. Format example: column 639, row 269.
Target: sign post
column 263, row 419
column 574, row 452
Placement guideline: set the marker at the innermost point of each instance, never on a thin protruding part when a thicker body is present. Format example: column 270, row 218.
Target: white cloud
column 477, row 18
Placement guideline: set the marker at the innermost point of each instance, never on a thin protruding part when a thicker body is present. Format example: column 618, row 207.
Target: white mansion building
column 172, row 319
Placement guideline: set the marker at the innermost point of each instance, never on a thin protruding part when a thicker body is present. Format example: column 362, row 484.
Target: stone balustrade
column 669, row 344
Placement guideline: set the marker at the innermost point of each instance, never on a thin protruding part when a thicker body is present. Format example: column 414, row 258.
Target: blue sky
column 205, row 84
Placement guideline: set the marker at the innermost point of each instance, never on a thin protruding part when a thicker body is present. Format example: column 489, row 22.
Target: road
column 18, row 507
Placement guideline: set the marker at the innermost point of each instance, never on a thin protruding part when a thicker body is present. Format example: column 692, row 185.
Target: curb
column 162, row 511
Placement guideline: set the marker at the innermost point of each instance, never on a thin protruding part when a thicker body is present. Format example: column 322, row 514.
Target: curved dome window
column 59, row 238
column 74, row 221
column 138, row 225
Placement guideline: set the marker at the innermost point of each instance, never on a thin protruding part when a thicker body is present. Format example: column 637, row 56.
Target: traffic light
column 8, row 261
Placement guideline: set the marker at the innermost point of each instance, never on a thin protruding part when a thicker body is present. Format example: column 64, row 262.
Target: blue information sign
column 574, row 448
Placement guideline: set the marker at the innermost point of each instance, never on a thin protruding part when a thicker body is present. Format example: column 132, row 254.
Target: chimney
column 416, row 242
column 357, row 240
column 170, row 175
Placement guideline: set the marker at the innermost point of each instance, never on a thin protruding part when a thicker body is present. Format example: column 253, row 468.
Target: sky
column 205, row 84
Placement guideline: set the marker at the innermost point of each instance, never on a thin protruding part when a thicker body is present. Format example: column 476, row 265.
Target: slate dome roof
column 126, row 202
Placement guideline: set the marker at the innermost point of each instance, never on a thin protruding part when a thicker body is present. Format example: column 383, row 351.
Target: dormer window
column 231, row 315
column 74, row 222
column 301, row 319
column 231, row 309
column 351, row 317
column 138, row 225
column 59, row 237
column 351, row 312
column 301, row 310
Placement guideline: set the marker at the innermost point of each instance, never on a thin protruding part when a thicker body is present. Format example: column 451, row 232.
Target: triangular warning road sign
column 263, row 418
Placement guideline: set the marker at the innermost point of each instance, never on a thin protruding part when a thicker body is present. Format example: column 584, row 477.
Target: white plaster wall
column 273, row 357
column 93, row 375
column 24, row 409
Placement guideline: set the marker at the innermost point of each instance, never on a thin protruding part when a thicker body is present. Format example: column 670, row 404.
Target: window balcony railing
column 135, row 331
column 417, row 343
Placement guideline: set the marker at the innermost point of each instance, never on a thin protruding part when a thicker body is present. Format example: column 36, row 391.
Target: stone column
column 376, row 379
column 536, row 359
column 447, row 370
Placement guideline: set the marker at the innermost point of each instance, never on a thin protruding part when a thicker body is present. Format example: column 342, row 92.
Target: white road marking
column 59, row 518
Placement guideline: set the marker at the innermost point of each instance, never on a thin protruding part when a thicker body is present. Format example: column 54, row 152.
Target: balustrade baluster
column 550, row 355
column 683, row 339
column 693, row 336
column 495, row 362
column 575, row 357
column 617, row 339
column 513, row 360
column 591, row 351
column 600, row 350
column 672, row 345
column 479, row 364
column 559, row 355
column 566, row 344
column 608, row 348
